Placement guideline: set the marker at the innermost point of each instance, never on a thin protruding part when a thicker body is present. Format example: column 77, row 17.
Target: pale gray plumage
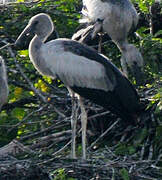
column 3, row 83
column 94, row 76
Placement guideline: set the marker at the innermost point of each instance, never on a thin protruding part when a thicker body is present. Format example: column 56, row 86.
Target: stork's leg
column 73, row 125
column 100, row 43
column 124, row 66
column 84, row 127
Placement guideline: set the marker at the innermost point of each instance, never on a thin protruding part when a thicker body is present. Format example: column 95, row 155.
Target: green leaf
column 124, row 174
column 141, row 135
column 121, row 149
column 131, row 150
column 23, row 53
column 18, row 113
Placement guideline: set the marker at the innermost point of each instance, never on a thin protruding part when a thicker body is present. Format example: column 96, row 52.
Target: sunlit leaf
column 18, row 92
column 42, row 86
column 47, row 79
column 32, row 93
column 23, row 53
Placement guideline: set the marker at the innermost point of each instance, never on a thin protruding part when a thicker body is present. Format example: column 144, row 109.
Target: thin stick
column 103, row 134
column 98, row 115
column 7, row 45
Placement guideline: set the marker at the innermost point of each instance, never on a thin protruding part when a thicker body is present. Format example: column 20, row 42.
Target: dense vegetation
column 38, row 110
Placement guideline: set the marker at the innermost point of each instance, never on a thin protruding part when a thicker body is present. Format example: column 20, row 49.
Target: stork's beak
column 23, row 36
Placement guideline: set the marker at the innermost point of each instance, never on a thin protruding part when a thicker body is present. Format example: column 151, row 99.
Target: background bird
column 117, row 19
column 3, row 83
column 81, row 69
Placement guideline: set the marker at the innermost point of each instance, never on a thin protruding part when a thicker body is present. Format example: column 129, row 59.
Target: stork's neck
column 35, row 54
column 35, row 45
column 3, row 76
column 38, row 41
column 122, row 45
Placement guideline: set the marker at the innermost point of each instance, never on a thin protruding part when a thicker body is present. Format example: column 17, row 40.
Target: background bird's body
column 3, row 83
column 118, row 16
column 117, row 19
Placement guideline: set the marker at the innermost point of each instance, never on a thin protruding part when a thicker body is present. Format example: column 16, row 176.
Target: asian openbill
column 81, row 69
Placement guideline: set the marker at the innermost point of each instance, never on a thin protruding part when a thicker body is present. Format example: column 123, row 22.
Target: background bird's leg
column 100, row 43
column 98, row 30
column 124, row 66
column 73, row 124
column 84, row 126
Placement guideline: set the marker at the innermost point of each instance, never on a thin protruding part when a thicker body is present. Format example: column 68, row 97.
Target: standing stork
column 81, row 69
column 117, row 18
column 3, row 83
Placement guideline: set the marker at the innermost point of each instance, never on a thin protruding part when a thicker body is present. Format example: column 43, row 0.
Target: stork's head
column 40, row 25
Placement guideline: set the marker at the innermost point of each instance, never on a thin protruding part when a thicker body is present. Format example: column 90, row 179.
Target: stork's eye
column 35, row 23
